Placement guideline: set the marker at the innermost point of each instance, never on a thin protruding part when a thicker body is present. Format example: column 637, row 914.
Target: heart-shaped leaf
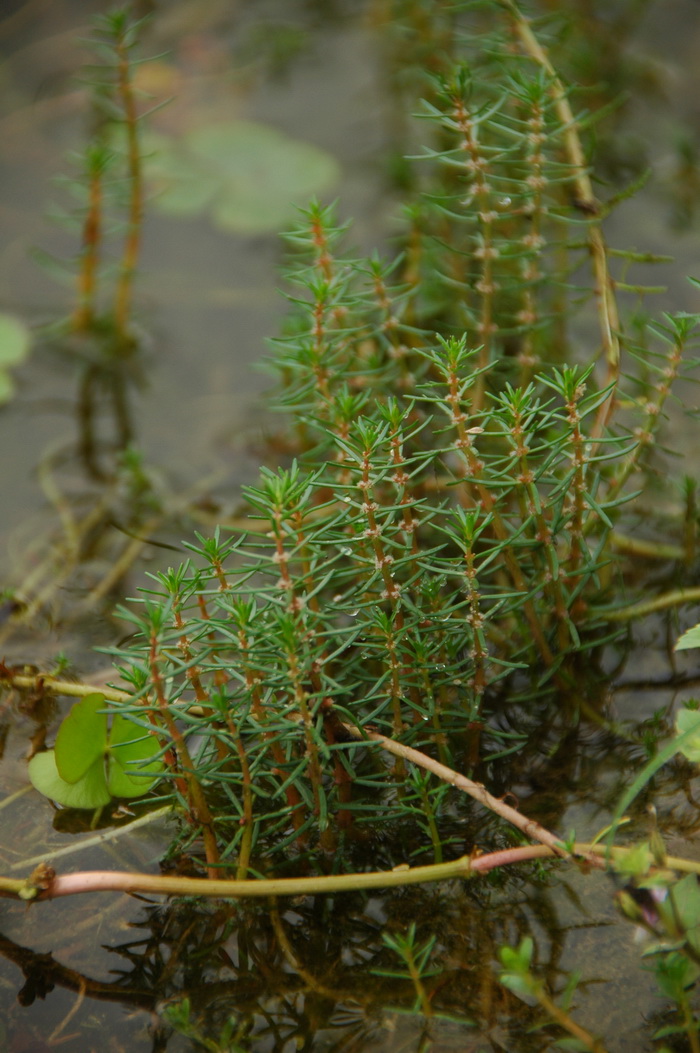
column 88, row 766
column 132, row 766
column 81, row 738
column 89, row 791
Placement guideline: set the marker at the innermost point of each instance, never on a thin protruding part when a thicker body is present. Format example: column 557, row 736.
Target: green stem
column 607, row 306
column 43, row 884
column 676, row 598
column 564, row 1020
column 132, row 245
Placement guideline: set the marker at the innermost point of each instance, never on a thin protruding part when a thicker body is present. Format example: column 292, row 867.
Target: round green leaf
column 88, row 792
column 248, row 175
column 688, row 724
column 15, row 340
column 690, row 638
column 82, row 738
column 132, row 766
column 181, row 185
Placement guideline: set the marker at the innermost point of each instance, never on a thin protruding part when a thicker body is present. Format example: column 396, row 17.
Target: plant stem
column 43, row 884
column 529, row 827
column 195, row 794
column 84, row 313
column 605, row 297
column 564, row 1020
column 676, row 598
column 132, row 244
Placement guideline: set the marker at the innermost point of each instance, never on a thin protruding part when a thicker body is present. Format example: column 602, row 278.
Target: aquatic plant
column 441, row 546
column 443, row 541
column 107, row 201
column 442, row 550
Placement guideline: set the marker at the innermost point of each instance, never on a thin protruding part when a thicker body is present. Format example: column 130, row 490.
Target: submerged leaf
column 248, row 176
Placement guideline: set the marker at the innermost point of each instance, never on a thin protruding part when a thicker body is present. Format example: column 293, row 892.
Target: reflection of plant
column 517, row 975
column 416, row 959
column 179, row 1016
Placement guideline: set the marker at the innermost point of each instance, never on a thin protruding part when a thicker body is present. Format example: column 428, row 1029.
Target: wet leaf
column 81, row 738
column 688, row 723
column 690, row 638
column 88, row 766
column 90, row 791
column 132, row 769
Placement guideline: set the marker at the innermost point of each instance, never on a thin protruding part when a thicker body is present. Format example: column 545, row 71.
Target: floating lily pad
column 91, row 763
column 246, row 176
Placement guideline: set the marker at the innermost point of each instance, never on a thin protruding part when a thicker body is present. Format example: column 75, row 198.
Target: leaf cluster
column 444, row 526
